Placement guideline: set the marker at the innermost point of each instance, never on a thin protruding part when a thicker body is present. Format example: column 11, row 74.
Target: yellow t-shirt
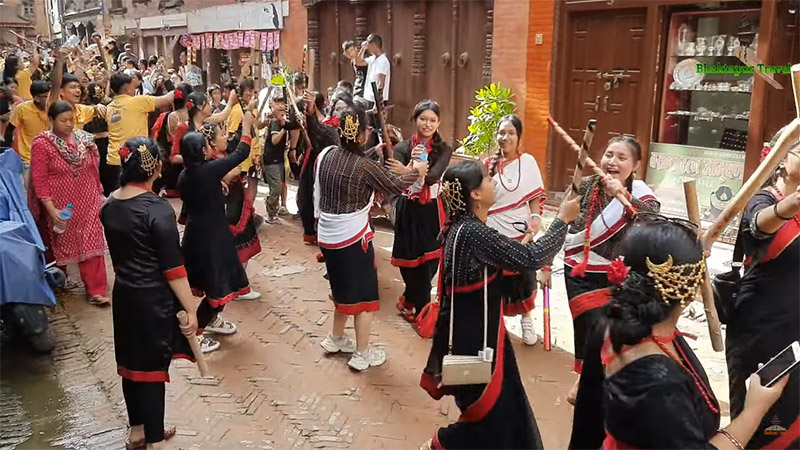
column 29, row 121
column 83, row 115
column 127, row 118
column 24, row 83
column 235, row 118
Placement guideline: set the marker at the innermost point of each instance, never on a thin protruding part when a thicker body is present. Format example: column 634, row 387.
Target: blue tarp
column 21, row 249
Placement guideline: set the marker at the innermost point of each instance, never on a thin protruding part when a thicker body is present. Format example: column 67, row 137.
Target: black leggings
column 418, row 283
column 145, row 403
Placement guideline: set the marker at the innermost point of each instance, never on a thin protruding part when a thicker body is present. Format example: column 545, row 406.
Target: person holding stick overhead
column 592, row 237
column 765, row 316
column 516, row 214
column 150, row 287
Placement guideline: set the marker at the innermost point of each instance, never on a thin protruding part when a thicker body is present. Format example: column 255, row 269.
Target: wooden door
column 600, row 45
column 440, row 64
column 470, row 59
column 401, row 55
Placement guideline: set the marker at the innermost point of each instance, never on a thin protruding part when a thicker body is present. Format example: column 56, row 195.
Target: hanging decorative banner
column 239, row 39
column 264, row 37
column 249, row 39
column 208, row 40
column 276, row 37
column 217, row 37
column 197, row 42
column 270, row 41
column 186, row 40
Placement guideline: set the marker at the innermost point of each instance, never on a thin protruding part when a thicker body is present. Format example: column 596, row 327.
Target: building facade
column 24, row 17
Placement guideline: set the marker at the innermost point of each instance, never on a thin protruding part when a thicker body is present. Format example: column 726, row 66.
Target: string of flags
column 263, row 40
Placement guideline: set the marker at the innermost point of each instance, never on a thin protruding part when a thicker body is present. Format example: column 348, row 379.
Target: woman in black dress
column 656, row 393
column 150, row 287
column 98, row 126
column 496, row 414
column 416, row 248
column 209, row 250
column 765, row 317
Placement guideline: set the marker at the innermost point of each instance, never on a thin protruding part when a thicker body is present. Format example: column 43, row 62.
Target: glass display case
column 707, row 83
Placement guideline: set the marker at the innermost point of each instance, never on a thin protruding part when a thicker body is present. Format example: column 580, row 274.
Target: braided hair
column 638, row 304
column 132, row 170
column 517, row 126
column 198, row 101
column 193, row 145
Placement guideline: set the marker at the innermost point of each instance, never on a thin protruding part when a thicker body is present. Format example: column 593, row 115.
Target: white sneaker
column 373, row 357
column 282, row 211
column 207, row 345
column 252, row 295
column 529, row 336
column 338, row 344
column 221, row 326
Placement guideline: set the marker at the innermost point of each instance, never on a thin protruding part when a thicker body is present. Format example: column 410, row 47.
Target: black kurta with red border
column 765, row 318
column 143, row 242
column 497, row 414
column 212, row 262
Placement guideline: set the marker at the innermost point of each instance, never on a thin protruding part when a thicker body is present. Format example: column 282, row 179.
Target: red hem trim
column 217, row 302
column 365, row 234
column 311, row 239
column 247, row 140
column 154, row 376
column 184, row 356
column 611, row 443
column 577, row 366
column 175, row 273
column 538, row 192
column 588, row 301
column 472, row 287
column 358, row 308
column 786, row 439
column 245, row 253
column 515, row 309
column 478, row 410
column 409, row 263
column 247, row 213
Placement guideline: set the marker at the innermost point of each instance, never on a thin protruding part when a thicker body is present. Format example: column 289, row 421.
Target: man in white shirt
column 378, row 69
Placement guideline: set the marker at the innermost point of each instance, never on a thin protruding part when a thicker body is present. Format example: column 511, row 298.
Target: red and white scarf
column 517, row 183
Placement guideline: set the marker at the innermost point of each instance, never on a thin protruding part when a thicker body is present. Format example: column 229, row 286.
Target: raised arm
column 165, row 101
column 499, row 251
column 220, row 167
column 222, row 115
column 58, row 74
column 382, row 180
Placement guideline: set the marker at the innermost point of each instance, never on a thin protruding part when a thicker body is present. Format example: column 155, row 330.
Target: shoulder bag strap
column 453, row 292
column 485, row 305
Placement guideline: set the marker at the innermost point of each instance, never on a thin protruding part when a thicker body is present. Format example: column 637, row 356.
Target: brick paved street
column 273, row 386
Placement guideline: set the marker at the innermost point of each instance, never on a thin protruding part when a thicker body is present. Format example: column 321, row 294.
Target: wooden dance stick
column 588, row 162
column 183, row 318
column 548, row 345
column 36, row 44
column 764, row 170
column 693, row 212
column 588, row 137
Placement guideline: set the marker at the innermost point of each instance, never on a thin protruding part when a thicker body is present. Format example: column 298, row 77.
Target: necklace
column 508, row 179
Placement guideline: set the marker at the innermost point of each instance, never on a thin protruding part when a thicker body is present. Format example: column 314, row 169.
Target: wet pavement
column 273, row 387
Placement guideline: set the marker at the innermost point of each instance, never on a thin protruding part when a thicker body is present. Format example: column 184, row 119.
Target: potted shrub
column 492, row 102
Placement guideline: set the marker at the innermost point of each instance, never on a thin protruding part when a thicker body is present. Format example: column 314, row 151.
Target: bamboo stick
column 183, row 318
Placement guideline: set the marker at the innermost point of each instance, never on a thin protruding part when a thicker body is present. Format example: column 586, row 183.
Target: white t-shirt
column 375, row 67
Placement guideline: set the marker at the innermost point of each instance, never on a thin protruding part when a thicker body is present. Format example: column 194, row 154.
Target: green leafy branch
column 492, row 102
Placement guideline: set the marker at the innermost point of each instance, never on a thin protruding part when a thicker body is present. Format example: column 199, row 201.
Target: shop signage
column 717, row 173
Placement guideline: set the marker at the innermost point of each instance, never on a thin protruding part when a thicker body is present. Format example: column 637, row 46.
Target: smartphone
column 780, row 365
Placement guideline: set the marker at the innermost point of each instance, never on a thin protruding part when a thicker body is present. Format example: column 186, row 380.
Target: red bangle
column 247, row 140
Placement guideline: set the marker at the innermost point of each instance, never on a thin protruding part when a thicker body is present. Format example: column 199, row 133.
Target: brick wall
column 537, row 86
column 294, row 35
column 509, row 47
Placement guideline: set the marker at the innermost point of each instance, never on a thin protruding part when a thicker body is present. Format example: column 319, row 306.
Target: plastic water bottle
column 423, row 157
column 65, row 215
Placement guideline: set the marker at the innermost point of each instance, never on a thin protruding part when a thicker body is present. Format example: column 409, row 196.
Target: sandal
column 98, row 300
column 406, row 312
column 169, row 432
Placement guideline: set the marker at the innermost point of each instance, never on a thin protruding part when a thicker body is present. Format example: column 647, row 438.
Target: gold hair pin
column 677, row 282
column 452, row 198
column 350, row 131
column 148, row 160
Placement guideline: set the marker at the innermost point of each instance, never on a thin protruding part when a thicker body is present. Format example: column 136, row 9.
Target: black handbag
column 726, row 285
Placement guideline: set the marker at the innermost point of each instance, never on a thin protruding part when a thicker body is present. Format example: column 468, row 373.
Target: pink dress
column 68, row 172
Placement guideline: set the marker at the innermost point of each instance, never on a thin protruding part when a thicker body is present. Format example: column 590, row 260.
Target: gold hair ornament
column 98, row 91
column 452, row 198
column 677, row 282
column 208, row 132
column 148, row 160
column 350, row 130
